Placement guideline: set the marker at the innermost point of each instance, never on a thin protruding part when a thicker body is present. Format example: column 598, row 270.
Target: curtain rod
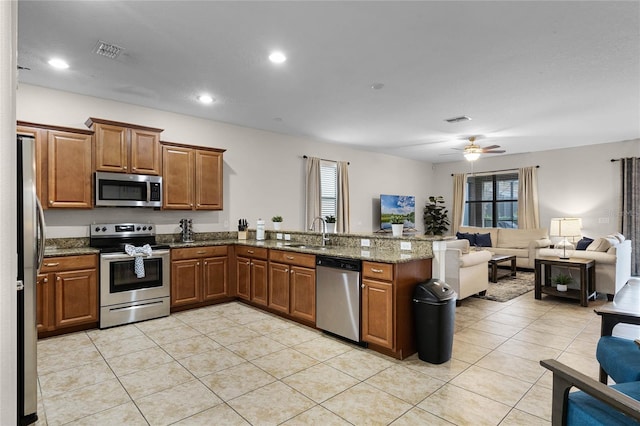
column 498, row 171
column 613, row 160
column 324, row 159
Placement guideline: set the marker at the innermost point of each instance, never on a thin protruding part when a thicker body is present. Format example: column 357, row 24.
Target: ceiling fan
column 472, row 151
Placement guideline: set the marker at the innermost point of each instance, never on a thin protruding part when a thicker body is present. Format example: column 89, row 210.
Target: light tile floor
column 233, row 364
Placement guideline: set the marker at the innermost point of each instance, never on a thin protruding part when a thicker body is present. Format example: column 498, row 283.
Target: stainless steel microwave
column 128, row 190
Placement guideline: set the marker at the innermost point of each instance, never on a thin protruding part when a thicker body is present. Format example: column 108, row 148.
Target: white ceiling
column 531, row 75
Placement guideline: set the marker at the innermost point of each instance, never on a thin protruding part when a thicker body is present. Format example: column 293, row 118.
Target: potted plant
column 562, row 281
column 277, row 222
column 331, row 223
column 397, row 224
column 435, row 217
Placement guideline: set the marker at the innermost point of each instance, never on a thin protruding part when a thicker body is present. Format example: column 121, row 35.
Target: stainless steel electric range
column 131, row 290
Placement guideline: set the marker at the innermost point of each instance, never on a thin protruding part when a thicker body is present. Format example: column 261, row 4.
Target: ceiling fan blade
column 491, row 147
column 499, row 151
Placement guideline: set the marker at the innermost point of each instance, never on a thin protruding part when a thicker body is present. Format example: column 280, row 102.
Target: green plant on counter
column 330, row 219
column 435, row 217
column 276, row 219
column 396, row 219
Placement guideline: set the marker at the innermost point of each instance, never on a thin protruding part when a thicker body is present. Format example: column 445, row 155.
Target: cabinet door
column 177, row 178
column 243, row 274
column 208, row 180
column 377, row 313
column 145, row 152
column 185, row 282
column 214, row 278
column 111, row 148
column 40, row 138
column 279, row 286
column 303, row 293
column 43, row 298
column 76, row 296
column 259, row 280
column 70, row 171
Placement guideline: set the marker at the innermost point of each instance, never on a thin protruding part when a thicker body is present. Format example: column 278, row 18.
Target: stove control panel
column 121, row 229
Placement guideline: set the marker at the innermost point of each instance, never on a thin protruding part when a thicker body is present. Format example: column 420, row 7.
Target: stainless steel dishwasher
column 338, row 296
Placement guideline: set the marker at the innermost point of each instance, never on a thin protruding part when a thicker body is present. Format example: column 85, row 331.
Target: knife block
column 242, row 235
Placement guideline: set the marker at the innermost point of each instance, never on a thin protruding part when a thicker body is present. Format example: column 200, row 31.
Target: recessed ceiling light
column 277, row 57
column 377, row 86
column 205, row 99
column 58, row 63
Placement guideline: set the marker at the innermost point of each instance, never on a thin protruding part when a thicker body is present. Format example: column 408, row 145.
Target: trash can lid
column 433, row 290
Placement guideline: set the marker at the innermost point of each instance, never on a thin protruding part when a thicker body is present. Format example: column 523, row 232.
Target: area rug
column 509, row 287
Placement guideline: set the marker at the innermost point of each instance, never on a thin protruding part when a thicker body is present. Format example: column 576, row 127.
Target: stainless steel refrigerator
column 30, row 246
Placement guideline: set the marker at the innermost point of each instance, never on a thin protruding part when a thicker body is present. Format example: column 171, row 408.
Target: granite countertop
column 373, row 254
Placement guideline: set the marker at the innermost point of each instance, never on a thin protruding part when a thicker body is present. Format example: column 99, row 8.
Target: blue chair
column 619, row 359
column 595, row 403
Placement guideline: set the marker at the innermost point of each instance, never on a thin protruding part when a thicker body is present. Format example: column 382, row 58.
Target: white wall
column 263, row 171
column 577, row 182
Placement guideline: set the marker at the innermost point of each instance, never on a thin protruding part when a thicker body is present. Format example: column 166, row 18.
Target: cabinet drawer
column 255, row 252
column 196, row 252
column 379, row 271
column 54, row 264
column 293, row 258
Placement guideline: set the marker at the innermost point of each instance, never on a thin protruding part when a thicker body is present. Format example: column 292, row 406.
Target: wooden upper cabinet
column 177, row 178
column 191, row 177
column 126, row 148
column 69, row 170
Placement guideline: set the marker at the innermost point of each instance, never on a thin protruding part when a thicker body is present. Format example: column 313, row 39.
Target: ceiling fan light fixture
column 471, row 156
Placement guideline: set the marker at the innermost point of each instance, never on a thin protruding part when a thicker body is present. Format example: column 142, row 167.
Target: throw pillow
column 466, row 236
column 583, row 243
column 601, row 244
column 483, row 240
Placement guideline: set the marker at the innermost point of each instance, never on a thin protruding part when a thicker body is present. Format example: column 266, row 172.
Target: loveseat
column 523, row 243
column 613, row 261
column 465, row 269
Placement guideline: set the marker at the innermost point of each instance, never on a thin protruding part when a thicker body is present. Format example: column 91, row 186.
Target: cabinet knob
column 286, row 270
column 57, row 278
column 50, row 202
column 46, row 280
column 362, row 286
column 191, row 205
column 291, row 271
column 205, row 263
column 198, row 205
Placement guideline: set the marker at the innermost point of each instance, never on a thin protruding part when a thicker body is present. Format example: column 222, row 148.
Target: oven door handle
column 120, row 256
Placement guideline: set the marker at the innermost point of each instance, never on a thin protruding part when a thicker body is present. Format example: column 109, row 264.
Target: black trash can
column 434, row 305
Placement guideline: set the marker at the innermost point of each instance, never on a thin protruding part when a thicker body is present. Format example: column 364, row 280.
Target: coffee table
column 587, row 268
column 493, row 266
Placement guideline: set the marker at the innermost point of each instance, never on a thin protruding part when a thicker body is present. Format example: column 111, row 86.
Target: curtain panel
column 457, row 209
column 343, row 223
column 629, row 216
column 528, row 212
column 313, row 198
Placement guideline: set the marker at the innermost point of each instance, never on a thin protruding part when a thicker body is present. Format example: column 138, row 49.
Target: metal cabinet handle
column 377, row 271
column 201, row 252
column 52, row 264
column 290, row 257
column 250, row 251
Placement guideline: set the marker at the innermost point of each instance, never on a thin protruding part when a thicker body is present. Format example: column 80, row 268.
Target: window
column 328, row 188
column 492, row 201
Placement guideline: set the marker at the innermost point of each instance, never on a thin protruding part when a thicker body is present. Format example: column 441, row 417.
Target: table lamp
column 565, row 227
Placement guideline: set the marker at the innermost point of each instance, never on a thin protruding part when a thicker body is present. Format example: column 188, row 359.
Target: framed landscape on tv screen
column 403, row 205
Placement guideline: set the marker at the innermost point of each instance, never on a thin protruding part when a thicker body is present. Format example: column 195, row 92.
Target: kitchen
column 223, row 243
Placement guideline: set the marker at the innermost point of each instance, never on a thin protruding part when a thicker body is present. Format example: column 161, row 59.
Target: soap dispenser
column 260, row 230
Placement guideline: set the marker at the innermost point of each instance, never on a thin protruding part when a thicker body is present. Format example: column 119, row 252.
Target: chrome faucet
column 324, row 229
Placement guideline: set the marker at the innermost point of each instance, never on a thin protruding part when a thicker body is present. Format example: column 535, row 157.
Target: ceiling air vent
column 110, row 51
column 457, row 119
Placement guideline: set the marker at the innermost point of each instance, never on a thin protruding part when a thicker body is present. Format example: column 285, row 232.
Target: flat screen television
column 404, row 205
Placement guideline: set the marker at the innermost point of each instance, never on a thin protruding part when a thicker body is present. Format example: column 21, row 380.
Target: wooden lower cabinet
column 67, row 292
column 251, row 274
column 387, row 307
column 198, row 275
column 292, row 284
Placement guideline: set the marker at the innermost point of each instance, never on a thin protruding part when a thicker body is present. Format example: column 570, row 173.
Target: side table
column 587, row 268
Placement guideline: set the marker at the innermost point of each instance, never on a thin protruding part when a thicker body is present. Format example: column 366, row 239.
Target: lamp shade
column 565, row 227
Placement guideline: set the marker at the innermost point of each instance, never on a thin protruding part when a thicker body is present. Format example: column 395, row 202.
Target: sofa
column 613, row 261
column 466, row 270
column 523, row 243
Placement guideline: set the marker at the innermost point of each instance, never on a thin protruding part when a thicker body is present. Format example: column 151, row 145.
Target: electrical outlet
column 365, row 243
column 405, row 245
column 279, row 236
column 365, row 253
column 287, row 237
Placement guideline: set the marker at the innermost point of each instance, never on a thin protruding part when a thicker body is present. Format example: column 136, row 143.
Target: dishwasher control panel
column 339, row 263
